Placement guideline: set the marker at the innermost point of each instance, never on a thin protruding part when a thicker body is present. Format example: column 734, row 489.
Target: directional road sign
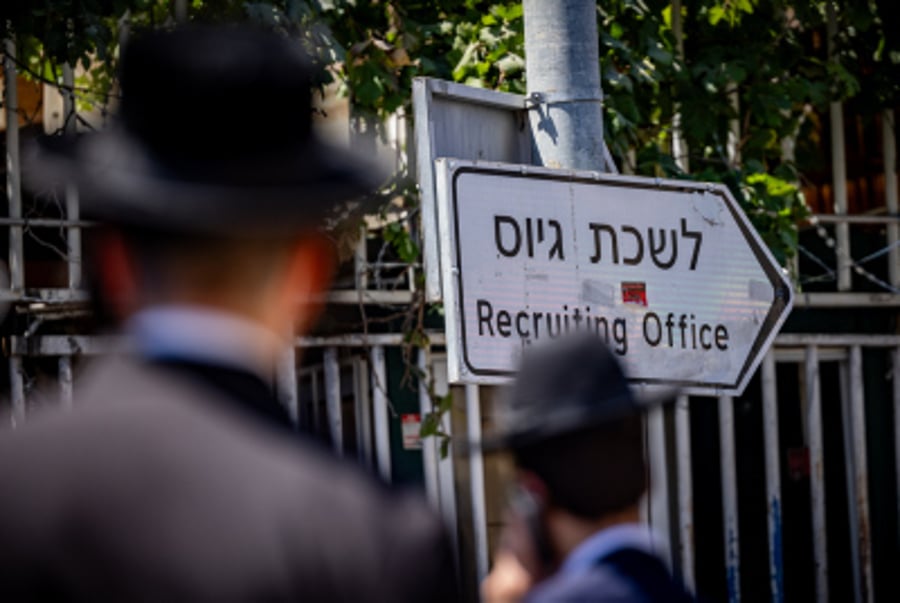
column 670, row 273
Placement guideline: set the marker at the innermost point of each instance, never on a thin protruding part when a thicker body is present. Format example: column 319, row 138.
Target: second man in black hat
column 575, row 434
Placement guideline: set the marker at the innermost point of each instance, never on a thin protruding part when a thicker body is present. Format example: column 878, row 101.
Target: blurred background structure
column 788, row 492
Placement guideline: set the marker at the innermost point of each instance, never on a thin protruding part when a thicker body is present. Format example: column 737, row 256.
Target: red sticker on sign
column 634, row 293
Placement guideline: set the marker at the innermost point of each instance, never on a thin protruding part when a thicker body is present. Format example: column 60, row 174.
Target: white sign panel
column 670, row 273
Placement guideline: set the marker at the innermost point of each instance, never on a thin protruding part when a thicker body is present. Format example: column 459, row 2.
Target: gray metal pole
column 839, row 169
column 73, row 214
column 729, row 498
column 13, row 173
column 476, row 477
column 381, row 412
column 815, row 441
column 333, row 399
column 562, row 61
column 773, row 475
column 685, row 491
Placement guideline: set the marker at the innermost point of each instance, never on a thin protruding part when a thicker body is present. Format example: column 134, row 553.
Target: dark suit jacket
column 624, row 576
column 156, row 488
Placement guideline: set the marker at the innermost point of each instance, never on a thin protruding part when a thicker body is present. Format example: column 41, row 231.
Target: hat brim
column 121, row 182
column 561, row 424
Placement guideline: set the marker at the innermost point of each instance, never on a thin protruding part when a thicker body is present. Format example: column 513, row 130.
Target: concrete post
column 563, row 66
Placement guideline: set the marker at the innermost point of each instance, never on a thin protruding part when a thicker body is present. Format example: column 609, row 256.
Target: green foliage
column 761, row 68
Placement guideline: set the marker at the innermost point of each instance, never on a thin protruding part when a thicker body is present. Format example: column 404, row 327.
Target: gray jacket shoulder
column 154, row 488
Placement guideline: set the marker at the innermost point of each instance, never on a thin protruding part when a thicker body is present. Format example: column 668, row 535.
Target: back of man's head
column 572, row 421
column 593, row 472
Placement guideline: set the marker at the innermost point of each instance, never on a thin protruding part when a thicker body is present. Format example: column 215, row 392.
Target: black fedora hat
column 213, row 134
column 570, row 384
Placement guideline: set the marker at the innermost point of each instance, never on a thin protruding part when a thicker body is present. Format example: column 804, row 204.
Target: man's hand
column 508, row 581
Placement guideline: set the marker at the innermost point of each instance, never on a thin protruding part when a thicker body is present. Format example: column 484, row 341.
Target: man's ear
column 310, row 270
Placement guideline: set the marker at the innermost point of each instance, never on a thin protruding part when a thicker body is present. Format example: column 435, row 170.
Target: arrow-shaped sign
column 670, row 273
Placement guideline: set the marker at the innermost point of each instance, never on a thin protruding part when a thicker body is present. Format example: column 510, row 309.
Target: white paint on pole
column 670, row 273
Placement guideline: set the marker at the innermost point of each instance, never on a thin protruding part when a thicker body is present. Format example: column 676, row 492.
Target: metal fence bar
column 446, row 468
column 380, row 411
column 895, row 358
column 685, row 491
column 17, row 390
column 65, row 382
column 476, row 475
column 838, row 167
column 889, row 148
column 659, row 480
column 817, row 470
column 854, row 415
column 773, row 475
column 286, row 376
column 314, row 394
column 429, row 444
column 836, row 340
column 361, row 262
column 333, row 399
column 729, row 498
column 363, row 412
column 13, row 167
column 73, row 212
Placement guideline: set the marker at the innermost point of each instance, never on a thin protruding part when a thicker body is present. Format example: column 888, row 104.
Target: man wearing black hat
column 176, row 477
column 574, row 431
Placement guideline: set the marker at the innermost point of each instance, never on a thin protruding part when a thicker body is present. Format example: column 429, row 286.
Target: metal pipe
column 895, row 357
column 429, row 443
column 817, row 470
column 13, row 167
column 316, row 407
column 380, row 410
column 446, row 468
column 733, row 147
column 889, row 148
column 838, row 167
column 854, row 408
column 563, row 67
column 729, row 498
column 659, row 481
column 679, row 145
column 363, row 412
column 73, row 212
column 773, row 475
column 685, row 491
column 286, row 376
column 361, row 262
column 65, row 382
column 333, row 399
column 17, row 391
column 476, row 475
